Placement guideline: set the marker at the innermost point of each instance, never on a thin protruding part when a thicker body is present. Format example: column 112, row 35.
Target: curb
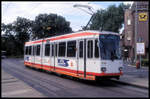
column 125, row 83
column 144, row 67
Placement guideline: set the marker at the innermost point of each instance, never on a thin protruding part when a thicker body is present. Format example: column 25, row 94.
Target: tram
column 86, row 54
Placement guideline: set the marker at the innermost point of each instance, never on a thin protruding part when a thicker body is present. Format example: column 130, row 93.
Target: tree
column 46, row 25
column 23, row 30
column 8, row 39
column 15, row 35
column 110, row 19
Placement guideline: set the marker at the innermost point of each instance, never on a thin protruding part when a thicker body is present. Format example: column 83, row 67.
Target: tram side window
column 62, row 49
column 34, row 50
column 96, row 49
column 81, row 49
column 56, row 49
column 90, row 49
column 52, row 50
column 26, row 53
column 47, row 49
column 30, row 50
column 71, row 49
column 38, row 50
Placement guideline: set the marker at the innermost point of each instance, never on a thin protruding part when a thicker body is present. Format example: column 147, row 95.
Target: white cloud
column 10, row 10
column 128, row 2
column 77, row 18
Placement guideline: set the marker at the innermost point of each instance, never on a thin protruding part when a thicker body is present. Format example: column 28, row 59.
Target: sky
column 29, row 9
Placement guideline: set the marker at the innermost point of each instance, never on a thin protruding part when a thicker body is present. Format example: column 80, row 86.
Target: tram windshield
column 109, row 47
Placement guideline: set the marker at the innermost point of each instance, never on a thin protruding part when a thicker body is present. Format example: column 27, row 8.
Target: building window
column 140, row 39
column 129, row 22
column 129, row 35
column 71, row 49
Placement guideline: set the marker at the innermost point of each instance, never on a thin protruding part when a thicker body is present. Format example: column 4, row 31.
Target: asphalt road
column 53, row 85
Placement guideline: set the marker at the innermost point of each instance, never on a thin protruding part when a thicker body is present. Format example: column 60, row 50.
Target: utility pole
column 136, row 20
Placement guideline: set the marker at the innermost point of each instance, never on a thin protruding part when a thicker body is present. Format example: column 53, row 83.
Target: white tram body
column 81, row 54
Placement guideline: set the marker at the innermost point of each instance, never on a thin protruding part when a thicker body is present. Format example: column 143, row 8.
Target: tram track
column 53, row 87
column 46, row 86
column 35, row 84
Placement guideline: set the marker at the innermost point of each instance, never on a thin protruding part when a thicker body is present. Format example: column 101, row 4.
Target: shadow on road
column 97, row 83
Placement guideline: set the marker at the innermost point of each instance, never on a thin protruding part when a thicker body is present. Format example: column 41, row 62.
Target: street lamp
column 89, row 8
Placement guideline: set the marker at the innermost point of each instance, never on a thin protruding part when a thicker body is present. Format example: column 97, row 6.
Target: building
column 136, row 28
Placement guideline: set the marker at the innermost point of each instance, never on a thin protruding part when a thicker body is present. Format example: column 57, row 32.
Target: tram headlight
column 103, row 69
column 120, row 68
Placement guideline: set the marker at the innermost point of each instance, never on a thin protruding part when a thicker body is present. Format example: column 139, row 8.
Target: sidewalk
column 135, row 81
column 13, row 87
column 135, row 77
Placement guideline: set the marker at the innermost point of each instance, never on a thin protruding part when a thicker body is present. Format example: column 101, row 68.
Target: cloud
column 128, row 2
column 29, row 10
column 10, row 10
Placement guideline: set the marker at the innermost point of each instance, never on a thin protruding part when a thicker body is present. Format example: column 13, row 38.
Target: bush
column 145, row 62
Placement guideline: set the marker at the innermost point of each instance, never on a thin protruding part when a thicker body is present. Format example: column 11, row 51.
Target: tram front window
column 109, row 47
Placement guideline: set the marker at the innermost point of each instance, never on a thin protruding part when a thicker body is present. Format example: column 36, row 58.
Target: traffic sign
column 140, row 48
column 143, row 16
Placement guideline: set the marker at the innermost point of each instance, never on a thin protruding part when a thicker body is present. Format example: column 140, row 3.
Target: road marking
column 15, row 92
column 10, row 81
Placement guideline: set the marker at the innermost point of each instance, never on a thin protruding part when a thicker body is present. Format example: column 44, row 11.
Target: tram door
column 53, row 55
column 38, row 55
column 52, row 63
column 81, row 67
column 33, row 53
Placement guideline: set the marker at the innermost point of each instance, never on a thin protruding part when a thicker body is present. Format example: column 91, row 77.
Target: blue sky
column 76, row 17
